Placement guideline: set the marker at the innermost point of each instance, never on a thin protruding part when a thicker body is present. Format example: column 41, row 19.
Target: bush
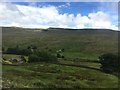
column 18, row 51
column 109, row 62
column 58, row 55
column 11, row 51
column 63, row 56
column 33, row 58
column 44, row 56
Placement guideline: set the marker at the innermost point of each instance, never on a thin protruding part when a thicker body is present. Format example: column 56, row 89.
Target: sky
column 75, row 15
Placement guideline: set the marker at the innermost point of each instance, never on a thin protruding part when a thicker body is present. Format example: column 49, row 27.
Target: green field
column 45, row 75
column 77, row 43
column 76, row 70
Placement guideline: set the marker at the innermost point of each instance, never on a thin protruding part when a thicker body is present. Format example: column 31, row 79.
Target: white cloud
column 101, row 20
column 81, row 21
column 68, row 4
column 64, row 5
column 49, row 16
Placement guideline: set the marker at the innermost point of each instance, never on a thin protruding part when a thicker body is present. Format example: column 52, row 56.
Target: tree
column 109, row 62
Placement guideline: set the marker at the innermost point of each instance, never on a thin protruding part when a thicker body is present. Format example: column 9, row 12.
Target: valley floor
column 59, row 75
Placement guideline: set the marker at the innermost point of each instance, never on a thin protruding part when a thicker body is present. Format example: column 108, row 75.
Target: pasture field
column 77, row 43
column 78, row 69
column 48, row 75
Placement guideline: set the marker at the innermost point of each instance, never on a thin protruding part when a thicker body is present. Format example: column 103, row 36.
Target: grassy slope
column 52, row 75
column 77, row 44
column 85, row 44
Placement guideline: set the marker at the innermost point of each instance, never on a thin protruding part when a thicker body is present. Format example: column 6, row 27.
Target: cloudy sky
column 60, row 14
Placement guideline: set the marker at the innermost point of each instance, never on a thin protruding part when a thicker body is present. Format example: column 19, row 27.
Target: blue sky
column 62, row 14
column 74, row 8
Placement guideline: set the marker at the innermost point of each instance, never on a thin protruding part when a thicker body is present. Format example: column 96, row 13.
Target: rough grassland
column 56, row 76
column 82, row 45
column 85, row 44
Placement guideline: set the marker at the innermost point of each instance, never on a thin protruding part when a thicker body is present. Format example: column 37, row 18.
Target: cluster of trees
column 33, row 53
column 109, row 62
column 46, row 56
column 40, row 56
column 20, row 51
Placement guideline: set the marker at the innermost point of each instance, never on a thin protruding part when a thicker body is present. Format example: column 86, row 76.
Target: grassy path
column 73, row 65
column 81, row 66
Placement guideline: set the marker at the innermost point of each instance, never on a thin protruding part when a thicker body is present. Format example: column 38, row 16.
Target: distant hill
column 20, row 28
column 51, row 28
column 82, row 40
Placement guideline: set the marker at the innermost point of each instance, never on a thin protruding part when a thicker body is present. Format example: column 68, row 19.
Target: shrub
column 19, row 51
column 109, row 62
column 63, row 56
column 44, row 56
column 11, row 51
column 58, row 55
column 33, row 58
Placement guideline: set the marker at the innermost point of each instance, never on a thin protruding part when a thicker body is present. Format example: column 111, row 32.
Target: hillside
column 76, row 43
column 78, row 69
